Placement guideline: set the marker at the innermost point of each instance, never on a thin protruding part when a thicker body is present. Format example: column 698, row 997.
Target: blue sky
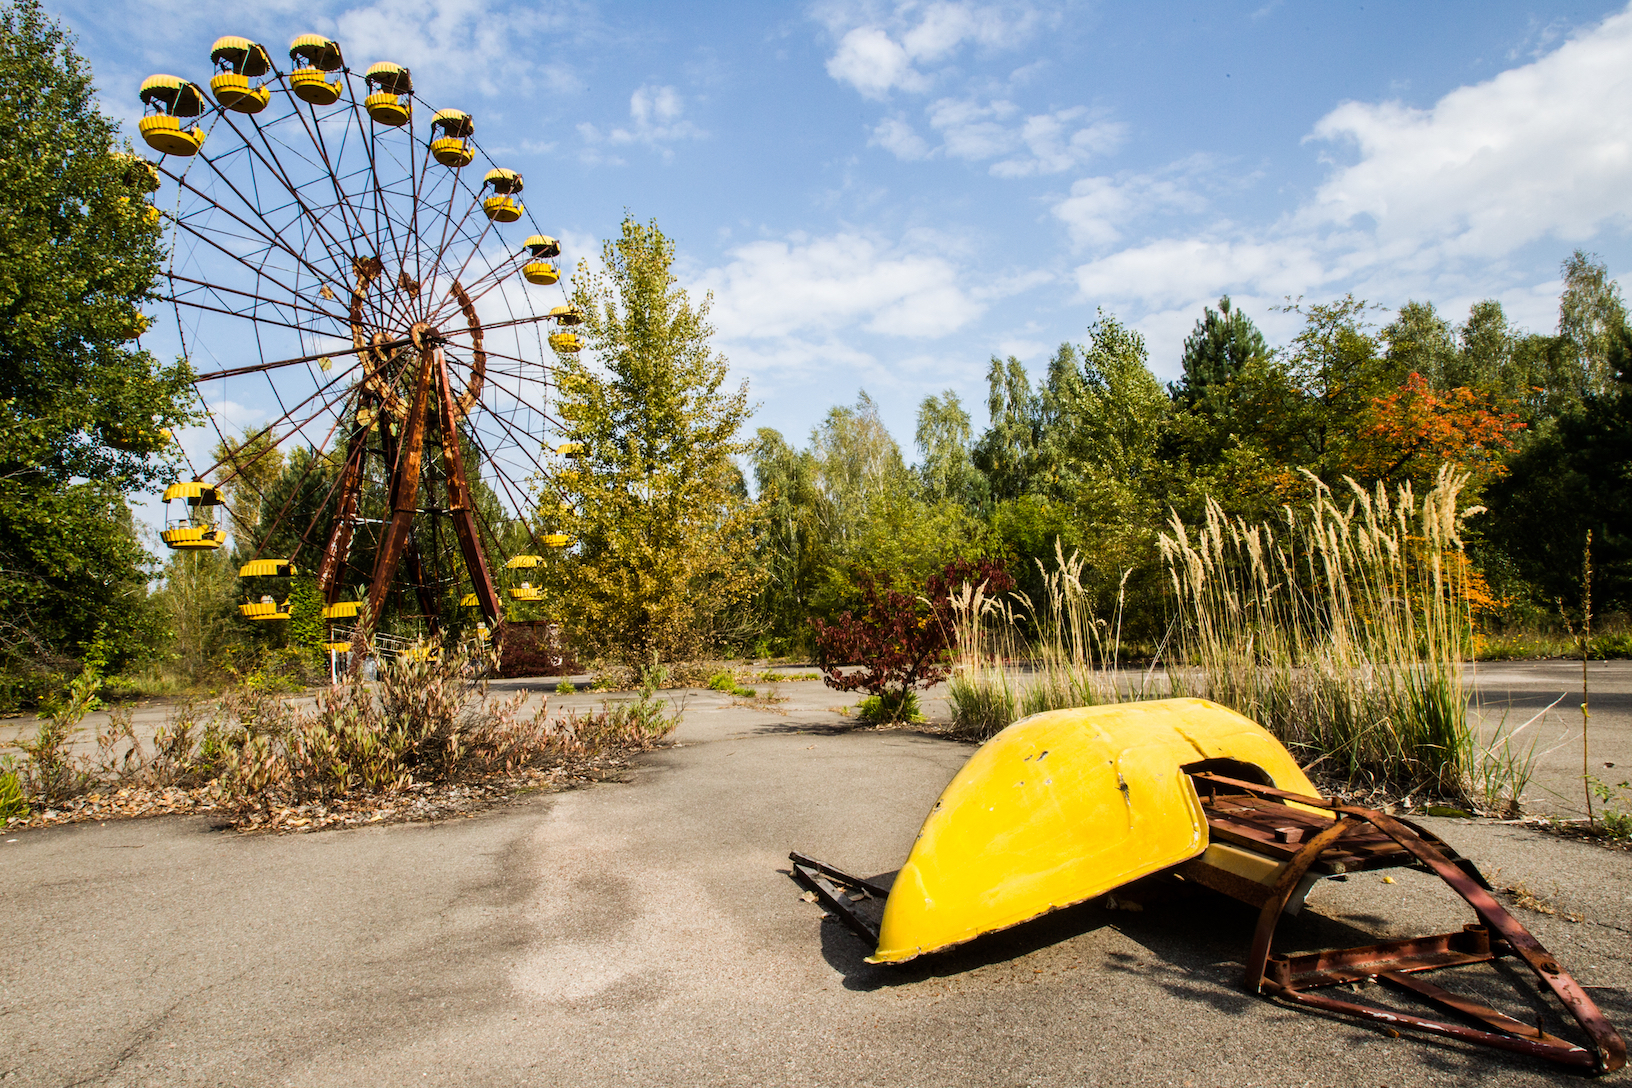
column 884, row 195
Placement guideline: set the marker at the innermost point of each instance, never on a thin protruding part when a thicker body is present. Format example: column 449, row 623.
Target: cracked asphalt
column 646, row 933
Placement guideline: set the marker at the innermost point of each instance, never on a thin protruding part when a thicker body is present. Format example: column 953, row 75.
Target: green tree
column 943, row 439
column 83, row 410
column 1590, row 316
column 1223, row 342
column 658, row 506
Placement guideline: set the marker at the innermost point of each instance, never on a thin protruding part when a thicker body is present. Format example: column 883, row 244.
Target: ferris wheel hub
column 425, row 336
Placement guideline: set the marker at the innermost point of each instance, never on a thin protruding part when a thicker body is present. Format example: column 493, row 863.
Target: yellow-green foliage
column 656, row 505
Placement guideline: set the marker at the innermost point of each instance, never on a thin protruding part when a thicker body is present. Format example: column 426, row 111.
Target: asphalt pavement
column 646, row 933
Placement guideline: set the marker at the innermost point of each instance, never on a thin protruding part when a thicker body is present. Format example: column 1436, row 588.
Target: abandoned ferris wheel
column 347, row 261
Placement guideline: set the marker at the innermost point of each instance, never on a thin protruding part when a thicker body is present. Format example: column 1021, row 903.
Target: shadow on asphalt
column 1193, row 942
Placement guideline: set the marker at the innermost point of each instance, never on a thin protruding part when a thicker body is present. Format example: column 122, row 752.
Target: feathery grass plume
column 1343, row 633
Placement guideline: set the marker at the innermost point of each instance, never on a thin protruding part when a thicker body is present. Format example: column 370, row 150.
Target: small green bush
column 892, row 706
column 723, row 681
column 566, row 687
column 13, row 805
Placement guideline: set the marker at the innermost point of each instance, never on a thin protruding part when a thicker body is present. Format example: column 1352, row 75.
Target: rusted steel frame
column 1286, row 883
column 412, row 559
column 447, row 226
column 250, row 294
column 491, row 326
column 314, row 132
column 338, row 546
column 815, row 881
column 257, row 318
column 1567, row 1054
column 337, row 250
column 504, row 481
column 362, row 236
column 204, row 237
column 475, row 248
column 472, row 392
column 404, row 487
column 1610, row 1050
column 877, row 891
column 1462, row 863
column 459, row 504
column 311, row 466
column 1333, row 967
column 1467, row 1007
column 523, row 441
column 497, row 274
column 380, row 210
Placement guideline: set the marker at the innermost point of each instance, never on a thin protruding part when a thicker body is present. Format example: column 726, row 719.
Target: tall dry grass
column 1343, row 631
column 1072, row 658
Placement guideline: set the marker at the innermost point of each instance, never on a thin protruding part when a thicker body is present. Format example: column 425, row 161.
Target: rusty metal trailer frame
column 1318, row 836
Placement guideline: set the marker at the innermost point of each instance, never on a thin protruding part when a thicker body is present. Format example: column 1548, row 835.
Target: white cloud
column 1438, row 202
column 655, row 120
column 1175, row 270
column 873, row 64
column 1099, row 209
column 897, row 137
column 1044, row 143
column 1542, row 149
column 771, row 289
column 876, row 56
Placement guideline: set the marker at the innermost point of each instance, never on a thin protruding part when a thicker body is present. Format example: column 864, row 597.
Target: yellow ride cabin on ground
column 1062, row 807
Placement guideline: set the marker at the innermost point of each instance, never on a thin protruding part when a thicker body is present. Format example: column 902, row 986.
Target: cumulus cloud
column 896, row 135
column 779, row 288
column 1099, row 210
column 1026, row 145
column 878, row 55
column 1433, row 201
column 1542, row 149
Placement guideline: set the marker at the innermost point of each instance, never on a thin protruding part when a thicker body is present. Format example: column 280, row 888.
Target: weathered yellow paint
column 1061, row 807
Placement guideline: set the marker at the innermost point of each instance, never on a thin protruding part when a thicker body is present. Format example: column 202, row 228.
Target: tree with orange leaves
column 1409, row 433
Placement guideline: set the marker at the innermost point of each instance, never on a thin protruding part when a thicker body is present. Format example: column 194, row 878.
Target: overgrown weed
column 426, row 721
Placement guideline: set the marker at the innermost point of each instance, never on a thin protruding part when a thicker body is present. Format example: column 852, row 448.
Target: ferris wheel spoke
column 288, row 413
column 273, row 239
column 222, row 289
column 258, row 270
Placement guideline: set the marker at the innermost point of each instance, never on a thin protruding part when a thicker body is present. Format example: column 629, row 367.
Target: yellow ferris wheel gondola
column 539, row 270
column 526, row 591
column 195, row 530
column 502, row 206
column 314, row 56
column 172, row 100
column 389, row 103
column 267, row 607
column 450, row 148
column 237, row 61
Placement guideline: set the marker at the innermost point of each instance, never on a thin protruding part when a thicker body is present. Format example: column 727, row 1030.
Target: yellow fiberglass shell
column 1062, row 807
column 523, row 562
column 542, row 273
column 310, row 86
column 267, row 568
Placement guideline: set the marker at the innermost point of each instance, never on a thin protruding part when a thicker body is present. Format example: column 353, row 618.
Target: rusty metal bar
column 459, row 504
column 1395, row 962
column 404, row 487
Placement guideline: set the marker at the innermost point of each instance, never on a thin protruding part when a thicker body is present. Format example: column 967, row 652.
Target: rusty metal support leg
column 337, row 547
column 1396, row 963
column 460, row 508
column 404, row 486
